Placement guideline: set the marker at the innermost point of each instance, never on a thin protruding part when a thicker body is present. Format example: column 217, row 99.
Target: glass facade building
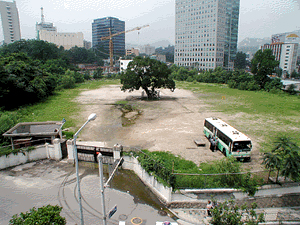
column 206, row 33
column 100, row 28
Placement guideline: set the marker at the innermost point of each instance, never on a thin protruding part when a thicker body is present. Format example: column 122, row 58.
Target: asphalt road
column 50, row 182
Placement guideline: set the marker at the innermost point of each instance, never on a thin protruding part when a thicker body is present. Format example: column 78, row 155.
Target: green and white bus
column 227, row 139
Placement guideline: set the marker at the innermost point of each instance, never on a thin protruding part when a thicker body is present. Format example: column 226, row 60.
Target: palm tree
column 285, row 157
column 291, row 165
column 272, row 161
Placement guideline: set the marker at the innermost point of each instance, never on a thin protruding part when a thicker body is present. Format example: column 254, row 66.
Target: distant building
column 206, row 33
column 287, row 83
column 102, row 28
column 132, row 51
column 87, row 44
column 10, row 21
column 286, row 54
column 288, row 37
column 158, row 57
column 147, row 49
column 47, row 32
column 123, row 64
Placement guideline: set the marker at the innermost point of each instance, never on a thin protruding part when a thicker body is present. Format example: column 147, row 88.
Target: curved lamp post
column 91, row 117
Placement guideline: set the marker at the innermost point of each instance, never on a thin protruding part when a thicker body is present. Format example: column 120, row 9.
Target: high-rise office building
column 206, row 33
column 102, row 28
column 10, row 21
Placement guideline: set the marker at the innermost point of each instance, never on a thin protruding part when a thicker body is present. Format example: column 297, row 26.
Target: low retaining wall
column 40, row 152
column 197, row 198
column 162, row 192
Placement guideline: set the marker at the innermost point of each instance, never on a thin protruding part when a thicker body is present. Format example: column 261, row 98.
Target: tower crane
column 111, row 42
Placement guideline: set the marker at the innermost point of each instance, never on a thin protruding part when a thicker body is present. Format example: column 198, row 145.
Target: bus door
column 214, row 132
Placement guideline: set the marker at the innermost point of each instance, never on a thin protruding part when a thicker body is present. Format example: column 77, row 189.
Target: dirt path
column 170, row 124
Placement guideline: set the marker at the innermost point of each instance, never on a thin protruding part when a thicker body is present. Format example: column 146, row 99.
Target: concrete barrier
column 45, row 151
column 164, row 193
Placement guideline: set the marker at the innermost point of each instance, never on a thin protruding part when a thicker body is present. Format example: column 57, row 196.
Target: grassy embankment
column 56, row 107
column 260, row 115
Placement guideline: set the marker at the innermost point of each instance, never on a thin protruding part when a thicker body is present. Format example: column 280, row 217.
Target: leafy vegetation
column 262, row 65
column 46, row 215
column 148, row 74
column 228, row 212
column 284, row 157
column 179, row 173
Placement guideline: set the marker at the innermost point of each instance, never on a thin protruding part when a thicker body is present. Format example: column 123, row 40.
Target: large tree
column 240, row 61
column 262, row 65
column 148, row 74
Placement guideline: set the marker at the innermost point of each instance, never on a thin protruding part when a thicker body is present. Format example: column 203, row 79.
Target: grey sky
column 258, row 18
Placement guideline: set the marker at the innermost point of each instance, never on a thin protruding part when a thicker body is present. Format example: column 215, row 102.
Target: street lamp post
column 100, row 163
column 91, row 117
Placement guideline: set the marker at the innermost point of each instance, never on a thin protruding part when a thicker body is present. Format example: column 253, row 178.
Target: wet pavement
column 50, row 182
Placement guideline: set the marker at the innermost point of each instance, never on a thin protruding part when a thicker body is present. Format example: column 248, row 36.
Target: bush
column 46, row 215
column 229, row 212
column 87, row 75
column 66, row 82
column 7, row 121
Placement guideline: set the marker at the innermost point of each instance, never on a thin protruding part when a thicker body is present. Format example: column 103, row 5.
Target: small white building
column 124, row 64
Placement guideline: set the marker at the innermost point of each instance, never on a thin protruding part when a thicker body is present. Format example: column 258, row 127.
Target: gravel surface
column 169, row 124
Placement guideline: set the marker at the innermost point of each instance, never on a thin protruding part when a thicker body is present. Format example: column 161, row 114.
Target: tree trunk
column 277, row 176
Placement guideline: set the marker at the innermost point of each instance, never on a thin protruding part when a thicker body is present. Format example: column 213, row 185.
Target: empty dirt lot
column 169, row 124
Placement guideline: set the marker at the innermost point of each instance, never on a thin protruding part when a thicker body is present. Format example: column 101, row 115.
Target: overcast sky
column 258, row 18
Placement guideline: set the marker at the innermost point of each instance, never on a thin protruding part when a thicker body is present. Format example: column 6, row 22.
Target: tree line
column 32, row 70
column 263, row 64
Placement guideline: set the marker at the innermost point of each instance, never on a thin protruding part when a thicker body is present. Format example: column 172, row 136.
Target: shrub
column 46, row 215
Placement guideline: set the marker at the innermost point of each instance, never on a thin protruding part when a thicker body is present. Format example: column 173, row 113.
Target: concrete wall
column 164, row 193
column 40, row 152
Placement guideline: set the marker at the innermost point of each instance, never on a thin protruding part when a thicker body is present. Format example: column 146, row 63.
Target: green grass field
column 260, row 114
column 62, row 105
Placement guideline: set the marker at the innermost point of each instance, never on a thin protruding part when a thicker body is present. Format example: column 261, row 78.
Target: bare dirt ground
column 169, row 124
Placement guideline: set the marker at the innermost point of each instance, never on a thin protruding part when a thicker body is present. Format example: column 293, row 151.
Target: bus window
column 241, row 146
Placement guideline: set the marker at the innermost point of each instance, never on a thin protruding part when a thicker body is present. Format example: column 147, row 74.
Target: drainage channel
column 127, row 181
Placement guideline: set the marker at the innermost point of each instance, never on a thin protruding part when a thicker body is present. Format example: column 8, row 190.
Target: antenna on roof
column 42, row 15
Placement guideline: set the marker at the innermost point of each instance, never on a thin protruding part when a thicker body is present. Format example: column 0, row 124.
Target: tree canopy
column 240, row 61
column 262, row 65
column 148, row 74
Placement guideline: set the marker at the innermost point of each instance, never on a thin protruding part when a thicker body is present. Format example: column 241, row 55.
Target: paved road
column 50, row 182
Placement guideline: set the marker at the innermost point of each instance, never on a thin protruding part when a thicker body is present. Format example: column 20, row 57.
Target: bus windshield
column 242, row 146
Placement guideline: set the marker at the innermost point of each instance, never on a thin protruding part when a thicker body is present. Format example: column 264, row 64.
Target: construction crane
column 111, row 42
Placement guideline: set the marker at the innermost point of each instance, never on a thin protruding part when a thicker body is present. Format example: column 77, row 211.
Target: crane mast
column 111, row 47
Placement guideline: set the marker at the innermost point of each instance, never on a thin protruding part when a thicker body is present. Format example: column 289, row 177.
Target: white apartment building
column 10, row 21
column 206, row 33
column 288, row 60
column 288, row 37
